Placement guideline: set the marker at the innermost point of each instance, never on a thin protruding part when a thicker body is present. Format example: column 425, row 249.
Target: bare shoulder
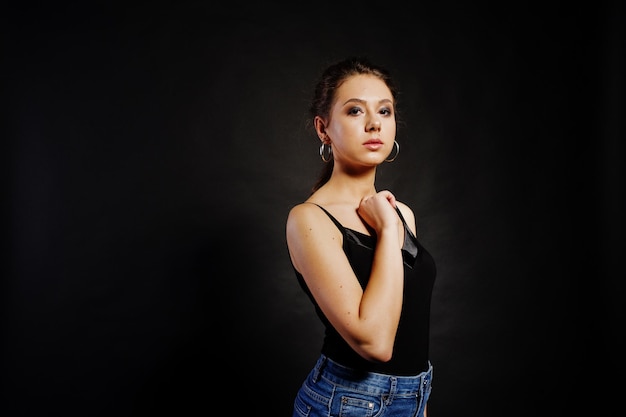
column 306, row 218
column 406, row 210
column 408, row 214
column 311, row 236
column 303, row 213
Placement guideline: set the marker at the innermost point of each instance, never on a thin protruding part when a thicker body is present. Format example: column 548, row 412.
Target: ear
column 320, row 128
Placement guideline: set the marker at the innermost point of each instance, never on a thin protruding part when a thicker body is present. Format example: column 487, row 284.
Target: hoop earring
column 397, row 145
column 326, row 155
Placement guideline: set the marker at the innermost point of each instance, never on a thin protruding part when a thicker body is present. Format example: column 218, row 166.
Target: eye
column 354, row 111
column 386, row 111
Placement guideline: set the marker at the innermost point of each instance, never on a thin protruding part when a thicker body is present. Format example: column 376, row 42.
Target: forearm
column 381, row 303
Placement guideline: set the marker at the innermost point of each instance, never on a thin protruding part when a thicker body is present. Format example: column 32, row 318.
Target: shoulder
column 408, row 214
column 306, row 217
column 303, row 212
column 405, row 210
column 311, row 235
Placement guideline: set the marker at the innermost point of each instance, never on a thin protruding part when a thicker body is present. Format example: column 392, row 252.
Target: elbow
column 374, row 345
column 383, row 356
column 380, row 352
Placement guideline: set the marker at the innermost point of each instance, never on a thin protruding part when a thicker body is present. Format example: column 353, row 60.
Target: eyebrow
column 358, row 100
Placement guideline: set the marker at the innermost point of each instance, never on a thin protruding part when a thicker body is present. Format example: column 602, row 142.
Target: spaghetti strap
column 406, row 226
column 339, row 225
column 410, row 248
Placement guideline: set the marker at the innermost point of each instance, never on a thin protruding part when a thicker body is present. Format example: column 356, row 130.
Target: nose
column 373, row 124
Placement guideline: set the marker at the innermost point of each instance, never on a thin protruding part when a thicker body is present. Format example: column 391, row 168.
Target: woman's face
column 362, row 122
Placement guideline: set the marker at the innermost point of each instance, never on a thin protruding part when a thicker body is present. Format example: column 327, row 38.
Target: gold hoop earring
column 326, row 155
column 397, row 146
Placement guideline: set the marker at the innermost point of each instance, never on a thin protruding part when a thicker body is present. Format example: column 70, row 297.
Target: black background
column 155, row 149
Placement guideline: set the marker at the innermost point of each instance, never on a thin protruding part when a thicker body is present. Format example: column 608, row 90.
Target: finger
column 390, row 197
column 366, row 198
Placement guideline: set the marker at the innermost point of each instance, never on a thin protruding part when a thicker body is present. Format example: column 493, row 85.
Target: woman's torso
column 411, row 354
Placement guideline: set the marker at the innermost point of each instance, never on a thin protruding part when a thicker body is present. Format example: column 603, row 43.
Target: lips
column 373, row 144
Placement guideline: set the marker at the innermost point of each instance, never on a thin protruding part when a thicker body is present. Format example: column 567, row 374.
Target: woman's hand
column 378, row 210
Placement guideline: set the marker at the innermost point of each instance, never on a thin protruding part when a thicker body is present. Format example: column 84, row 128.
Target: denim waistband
column 374, row 383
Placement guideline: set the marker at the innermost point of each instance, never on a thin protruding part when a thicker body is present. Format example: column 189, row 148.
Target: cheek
column 390, row 128
column 342, row 130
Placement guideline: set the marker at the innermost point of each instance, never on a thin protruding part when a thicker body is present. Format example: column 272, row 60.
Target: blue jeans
column 331, row 389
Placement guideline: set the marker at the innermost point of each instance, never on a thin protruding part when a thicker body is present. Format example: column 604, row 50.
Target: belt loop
column 430, row 370
column 429, row 374
column 426, row 380
column 392, row 390
column 318, row 367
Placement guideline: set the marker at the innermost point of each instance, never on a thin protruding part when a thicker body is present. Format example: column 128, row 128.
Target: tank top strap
column 342, row 229
column 406, row 226
column 339, row 225
column 410, row 249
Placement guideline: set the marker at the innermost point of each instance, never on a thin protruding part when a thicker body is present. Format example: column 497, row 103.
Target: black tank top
column 410, row 355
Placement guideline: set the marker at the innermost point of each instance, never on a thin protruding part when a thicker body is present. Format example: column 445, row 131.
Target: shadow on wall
column 242, row 339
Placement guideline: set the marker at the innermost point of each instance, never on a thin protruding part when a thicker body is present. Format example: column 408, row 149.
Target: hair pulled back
column 325, row 91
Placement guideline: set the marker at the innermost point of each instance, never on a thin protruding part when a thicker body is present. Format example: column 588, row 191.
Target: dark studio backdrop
column 152, row 153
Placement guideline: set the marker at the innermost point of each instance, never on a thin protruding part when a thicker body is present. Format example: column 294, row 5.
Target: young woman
column 356, row 255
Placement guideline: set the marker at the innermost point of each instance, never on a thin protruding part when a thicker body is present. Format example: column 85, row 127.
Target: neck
column 352, row 186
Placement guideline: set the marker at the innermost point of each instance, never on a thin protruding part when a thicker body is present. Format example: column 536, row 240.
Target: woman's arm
column 367, row 319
